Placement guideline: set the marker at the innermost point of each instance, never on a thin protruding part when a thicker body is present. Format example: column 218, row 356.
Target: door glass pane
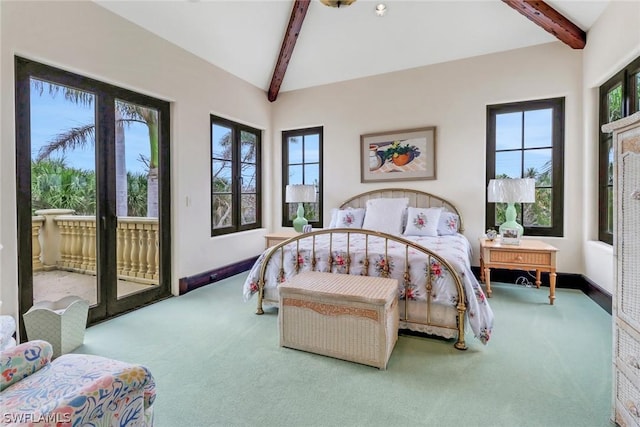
column 508, row 131
column 614, row 103
column 137, row 188
column 63, row 192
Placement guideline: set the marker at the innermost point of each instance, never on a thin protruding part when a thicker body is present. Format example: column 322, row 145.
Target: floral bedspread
column 455, row 249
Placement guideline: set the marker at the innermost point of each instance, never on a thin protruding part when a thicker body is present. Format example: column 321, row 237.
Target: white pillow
column 385, row 215
column 422, row 221
column 347, row 218
column 448, row 224
column 334, row 216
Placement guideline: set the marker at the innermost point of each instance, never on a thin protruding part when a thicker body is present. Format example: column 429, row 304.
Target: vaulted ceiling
column 246, row 37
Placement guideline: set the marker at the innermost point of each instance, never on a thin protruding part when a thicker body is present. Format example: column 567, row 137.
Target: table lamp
column 300, row 194
column 511, row 191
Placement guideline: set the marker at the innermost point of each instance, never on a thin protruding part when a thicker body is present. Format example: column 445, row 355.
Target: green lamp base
column 300, row 221
column 511, row 223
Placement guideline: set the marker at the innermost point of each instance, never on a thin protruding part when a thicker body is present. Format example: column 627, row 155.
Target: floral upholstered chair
column 74, row 389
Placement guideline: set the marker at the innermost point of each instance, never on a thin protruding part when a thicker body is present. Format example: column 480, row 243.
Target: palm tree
column 80, row 136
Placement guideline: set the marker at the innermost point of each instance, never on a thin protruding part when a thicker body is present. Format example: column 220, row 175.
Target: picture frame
column 510, row 236
column 401, row 155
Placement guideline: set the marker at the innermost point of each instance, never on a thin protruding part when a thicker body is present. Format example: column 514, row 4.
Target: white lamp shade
column 300, row 193
column 512, row 190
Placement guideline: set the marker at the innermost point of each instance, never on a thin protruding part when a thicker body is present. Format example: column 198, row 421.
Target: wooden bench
column 344, row 316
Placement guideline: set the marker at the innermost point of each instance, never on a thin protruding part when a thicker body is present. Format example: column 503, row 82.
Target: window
column 235, row 177
column 526, row 140
column 619, row 97
column 302, row 164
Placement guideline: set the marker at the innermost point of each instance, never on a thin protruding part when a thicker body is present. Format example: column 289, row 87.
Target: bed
column 410, row 235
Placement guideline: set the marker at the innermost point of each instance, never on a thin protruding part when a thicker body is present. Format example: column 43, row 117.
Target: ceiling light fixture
column 381, row 9
column 336, row 3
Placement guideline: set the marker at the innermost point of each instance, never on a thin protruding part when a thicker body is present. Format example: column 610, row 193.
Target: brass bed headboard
column 417, row 199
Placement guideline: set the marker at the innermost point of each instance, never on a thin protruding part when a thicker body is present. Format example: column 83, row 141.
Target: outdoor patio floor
column 55, row 284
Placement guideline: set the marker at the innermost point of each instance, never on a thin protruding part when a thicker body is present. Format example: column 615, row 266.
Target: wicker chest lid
column 373, row 290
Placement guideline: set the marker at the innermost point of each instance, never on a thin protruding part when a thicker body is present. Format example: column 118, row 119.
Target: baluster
column 156, row 274
column 120, row 249
column 64, row 241
column 126, row 250
column 151, row 252
column 76, row 249
column 84, row 236
column 142, row 255
column 135, row 249
column 36, row 249
column 91, row 267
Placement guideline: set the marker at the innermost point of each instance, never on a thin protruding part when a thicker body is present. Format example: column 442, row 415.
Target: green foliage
column 538, row 214
column 137, row 194
column 56, row 186
column 614, row 101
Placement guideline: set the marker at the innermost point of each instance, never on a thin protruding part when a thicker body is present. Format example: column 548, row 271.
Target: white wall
column 84, row 38
column 453, row 97
column 612, row 42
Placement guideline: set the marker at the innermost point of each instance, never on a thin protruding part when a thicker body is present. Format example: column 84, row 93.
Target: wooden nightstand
column 271, row 239
column 528, row 255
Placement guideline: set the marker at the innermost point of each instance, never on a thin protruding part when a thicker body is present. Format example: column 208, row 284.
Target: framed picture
column 402, row 155
column 510, row 236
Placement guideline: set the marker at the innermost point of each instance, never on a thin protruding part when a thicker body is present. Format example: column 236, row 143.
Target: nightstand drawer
column 519, row 257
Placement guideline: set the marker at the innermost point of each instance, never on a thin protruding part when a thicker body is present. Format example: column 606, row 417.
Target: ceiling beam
column 290, row 37
column 551, row 20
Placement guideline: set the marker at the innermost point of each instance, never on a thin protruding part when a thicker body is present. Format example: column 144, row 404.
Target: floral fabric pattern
column 420, row 221
column 21, row 361
column 448, row 224
column 79, row 390
column 456, row 249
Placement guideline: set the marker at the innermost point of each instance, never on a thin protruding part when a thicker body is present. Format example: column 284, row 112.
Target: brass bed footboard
column 345, row 264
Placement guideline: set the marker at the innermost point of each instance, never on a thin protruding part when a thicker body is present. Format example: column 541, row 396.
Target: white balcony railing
column 68, row 242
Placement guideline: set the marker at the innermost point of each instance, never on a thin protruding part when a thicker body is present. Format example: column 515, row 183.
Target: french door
column 93, row 192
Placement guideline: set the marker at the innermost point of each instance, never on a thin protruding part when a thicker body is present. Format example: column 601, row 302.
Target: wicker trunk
column 348, row 317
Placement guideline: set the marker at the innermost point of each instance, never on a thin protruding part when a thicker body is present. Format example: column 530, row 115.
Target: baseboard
column 563, row 280
column 187, row 284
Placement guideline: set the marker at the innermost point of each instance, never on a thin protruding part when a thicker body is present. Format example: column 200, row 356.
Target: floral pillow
column 347, row 218
column 422, row 221
column 448, row 224
column 385, row 215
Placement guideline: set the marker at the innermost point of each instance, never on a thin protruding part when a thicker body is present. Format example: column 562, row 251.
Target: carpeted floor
column 218, row 364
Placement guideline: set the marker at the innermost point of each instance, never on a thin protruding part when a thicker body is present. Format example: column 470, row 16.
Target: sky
column 52, row 115
column 536, row 139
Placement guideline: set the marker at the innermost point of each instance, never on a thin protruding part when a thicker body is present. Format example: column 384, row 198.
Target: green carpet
column 218, row 364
